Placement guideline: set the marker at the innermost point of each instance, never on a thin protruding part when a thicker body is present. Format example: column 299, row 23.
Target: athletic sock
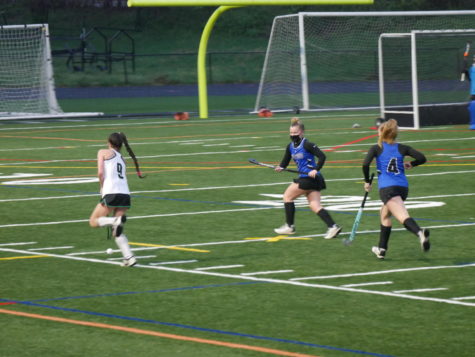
column 411, row 225
column 106, row 221
column 384, row 234
column 289, row 212
column 123, row 244
column 325, row 216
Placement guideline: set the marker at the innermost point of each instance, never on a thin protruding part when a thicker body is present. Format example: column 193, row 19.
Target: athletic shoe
column 118, row 226
column 285, row 229
column 129, row 262
column 424, row 239
column 333, row 231
column 379, row 252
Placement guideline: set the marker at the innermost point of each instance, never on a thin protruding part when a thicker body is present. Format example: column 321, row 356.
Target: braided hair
column 116, row 140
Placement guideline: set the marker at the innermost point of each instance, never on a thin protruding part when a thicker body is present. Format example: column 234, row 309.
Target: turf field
column 213, row 279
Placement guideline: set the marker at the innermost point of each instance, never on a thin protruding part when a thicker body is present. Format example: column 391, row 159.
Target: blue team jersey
column 390, row 165
column 471, row 72
column 305, row 161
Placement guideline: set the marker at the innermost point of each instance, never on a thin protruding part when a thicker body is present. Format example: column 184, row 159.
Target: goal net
column 329, row 61
column 26, row 74
column 420, row 77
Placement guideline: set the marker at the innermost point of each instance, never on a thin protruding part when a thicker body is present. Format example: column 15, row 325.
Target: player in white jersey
column 115, row 194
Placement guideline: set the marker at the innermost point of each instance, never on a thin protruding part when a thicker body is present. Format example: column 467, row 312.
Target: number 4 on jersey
column 392, row 166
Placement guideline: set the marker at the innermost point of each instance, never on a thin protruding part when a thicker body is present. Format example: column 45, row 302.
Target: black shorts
column 116, row 200
column 393, row 191
column 308, row 183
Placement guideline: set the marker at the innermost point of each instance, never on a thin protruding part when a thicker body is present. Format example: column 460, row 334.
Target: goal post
column 419, row 75
column 27, row 88
column 329, row 60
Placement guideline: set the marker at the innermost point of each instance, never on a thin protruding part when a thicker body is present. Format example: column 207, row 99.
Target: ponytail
column 388, row 132
column 132, row 155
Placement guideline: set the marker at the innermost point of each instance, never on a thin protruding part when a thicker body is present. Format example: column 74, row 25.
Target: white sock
column 123, row 244
column 106, row 221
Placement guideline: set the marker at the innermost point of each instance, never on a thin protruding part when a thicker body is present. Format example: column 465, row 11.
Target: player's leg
column 290, row 194
column 398, row 209
column 384, row 233
column 314, row 201
column 121, row 239
column 99, row 217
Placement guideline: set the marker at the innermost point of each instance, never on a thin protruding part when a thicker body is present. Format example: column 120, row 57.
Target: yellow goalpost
column 225, row 5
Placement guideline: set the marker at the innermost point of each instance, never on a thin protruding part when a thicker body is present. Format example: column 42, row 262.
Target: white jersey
column 115, row 178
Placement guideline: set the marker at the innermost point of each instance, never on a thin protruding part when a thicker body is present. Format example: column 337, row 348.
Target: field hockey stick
column 356, row 223
column 465, row 61
column 255, row 162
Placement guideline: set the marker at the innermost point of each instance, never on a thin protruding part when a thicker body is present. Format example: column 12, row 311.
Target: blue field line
column 202, row 329
column 150, row 291
column 223, row 203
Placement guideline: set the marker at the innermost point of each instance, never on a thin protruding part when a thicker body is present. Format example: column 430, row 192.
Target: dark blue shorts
column 116, row 200
column 308, row 183
column 389, row 192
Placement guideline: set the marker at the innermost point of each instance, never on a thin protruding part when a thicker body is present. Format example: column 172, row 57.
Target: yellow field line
column 169, row 247
column 25, row 257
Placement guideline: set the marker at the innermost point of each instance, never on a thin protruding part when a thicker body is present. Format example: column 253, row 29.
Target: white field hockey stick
column 255, row 162
column 465, row 61
column 356, row 223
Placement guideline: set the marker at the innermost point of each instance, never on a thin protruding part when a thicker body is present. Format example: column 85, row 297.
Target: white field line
column 52, row 248
column 464, row 298
column 254, row 278
column 419, row 290
column 137, row 256
column 267, row 272
column 221, row 267
column 368, row 284
column 402, row 270
column 20, row 243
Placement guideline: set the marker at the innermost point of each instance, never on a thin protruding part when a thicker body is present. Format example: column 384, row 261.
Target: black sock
column 384, row 234
column 411, row 225
column 325, row 216
column 289, row 213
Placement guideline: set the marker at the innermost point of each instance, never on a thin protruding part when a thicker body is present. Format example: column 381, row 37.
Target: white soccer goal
column 26, row 74
column 419, row 76
column 329, row 60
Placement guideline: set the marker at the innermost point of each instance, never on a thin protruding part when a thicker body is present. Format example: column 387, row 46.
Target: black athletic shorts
column 116, row 200
column 393, row 191
column 308, row 183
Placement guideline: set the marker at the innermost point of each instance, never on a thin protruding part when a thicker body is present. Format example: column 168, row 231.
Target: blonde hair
column 388, row 132
column 297, row 122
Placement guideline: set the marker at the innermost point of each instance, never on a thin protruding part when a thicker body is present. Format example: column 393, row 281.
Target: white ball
column 356, row 125
column 109, row 251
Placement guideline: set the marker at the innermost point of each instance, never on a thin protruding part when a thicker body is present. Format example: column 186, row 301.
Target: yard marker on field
column 367, row 284
column 175, row 262
column 221, row 267
column 25, row 257
column 418, row 290
column 464, row 298
column 169, row 247
column 267, row 272
column 157, row 334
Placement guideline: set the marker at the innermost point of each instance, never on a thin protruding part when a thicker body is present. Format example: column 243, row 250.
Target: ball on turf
column 356, row 125
column 109, row 251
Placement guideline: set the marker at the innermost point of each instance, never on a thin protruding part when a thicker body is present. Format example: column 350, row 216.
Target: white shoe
column 118, row 226
column 424, row 239
column 333, row 232
column 129, row 262
column 285, row 229
column 379, row 252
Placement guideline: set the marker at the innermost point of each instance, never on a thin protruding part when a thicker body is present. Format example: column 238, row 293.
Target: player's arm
column 100, row 166
column 370, row 155
column 419, row 158
column 285, row 160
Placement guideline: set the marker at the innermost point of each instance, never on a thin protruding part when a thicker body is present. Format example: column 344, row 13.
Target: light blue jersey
column 390, row 165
